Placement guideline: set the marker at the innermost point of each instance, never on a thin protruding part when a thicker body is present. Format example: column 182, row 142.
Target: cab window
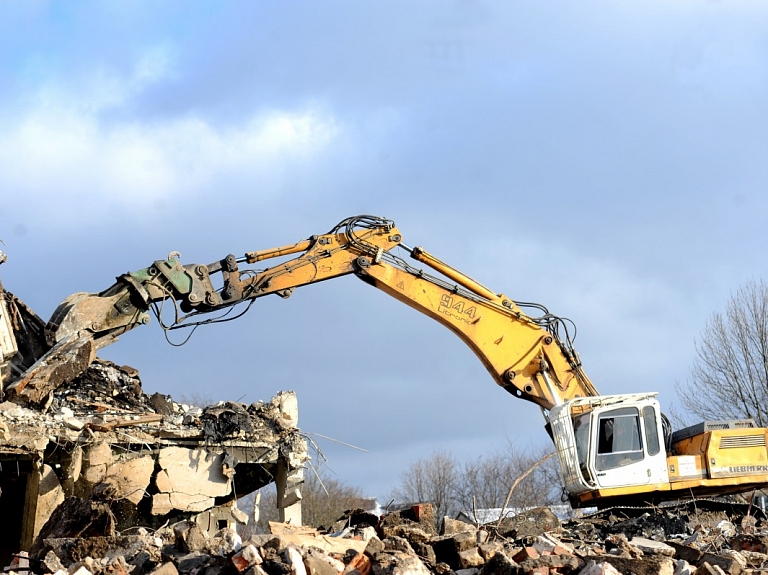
column 619, row 441
column 651, row 430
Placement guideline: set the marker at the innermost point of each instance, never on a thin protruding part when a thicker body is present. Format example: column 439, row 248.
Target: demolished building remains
column 98, row 437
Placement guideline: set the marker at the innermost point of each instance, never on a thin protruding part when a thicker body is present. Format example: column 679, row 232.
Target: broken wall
column 152, row 459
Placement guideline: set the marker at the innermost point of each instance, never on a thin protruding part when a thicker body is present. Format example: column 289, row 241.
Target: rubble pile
column 99, row 438
column 407, row 543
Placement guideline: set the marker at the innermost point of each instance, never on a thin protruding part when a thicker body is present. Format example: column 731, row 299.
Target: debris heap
column 99, row 442
column 680, row 541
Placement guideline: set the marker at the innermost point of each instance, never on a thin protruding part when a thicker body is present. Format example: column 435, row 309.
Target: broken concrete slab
column 530, row 523
column 196, row 471
column 500, row 564
column 51, row 495
column 130, row 478
column 74, row 519
column 651, row 547
column 66, row 360
column 307, row 536
column 316, row 566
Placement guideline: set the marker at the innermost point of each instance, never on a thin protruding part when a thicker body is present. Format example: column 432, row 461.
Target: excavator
column 612, row 449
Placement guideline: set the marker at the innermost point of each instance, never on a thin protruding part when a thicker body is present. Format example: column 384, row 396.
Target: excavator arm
column 526, row 356
column 190, row 288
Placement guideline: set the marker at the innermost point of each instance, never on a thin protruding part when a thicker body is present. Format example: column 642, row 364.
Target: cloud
column 625, row 318
column 75, row 145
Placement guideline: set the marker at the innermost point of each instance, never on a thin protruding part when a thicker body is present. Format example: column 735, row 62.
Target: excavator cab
column 612, row 442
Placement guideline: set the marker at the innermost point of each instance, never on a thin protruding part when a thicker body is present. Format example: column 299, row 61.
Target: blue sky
column 606, row 159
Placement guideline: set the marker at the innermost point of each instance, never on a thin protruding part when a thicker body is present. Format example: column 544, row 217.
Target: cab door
column 626, row 447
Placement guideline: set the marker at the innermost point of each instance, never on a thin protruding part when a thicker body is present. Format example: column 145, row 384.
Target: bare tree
column 729, row 377
column 431, row 480
column 485, row 482
column 324, row 500
column 482, row 483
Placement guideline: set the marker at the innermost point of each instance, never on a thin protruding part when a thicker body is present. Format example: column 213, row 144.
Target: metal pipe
column 426, row 258
column 253, row 257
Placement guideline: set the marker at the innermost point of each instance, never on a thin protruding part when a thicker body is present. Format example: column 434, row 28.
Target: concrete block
column 450, row 526
column 736, row 556
column 96, row 459
column 189, row 537
column 488, row 550
column 316, row 566
column 50, row 495
column 689, row 554
column 130, row 478
column 470, row 558
column 375, row 545
column 293, row 559
column 729, row 565
column 561, row 563
column 707, row 568
column 186, row 563
column 599, row 568
column 395, row 543
column 448, row 547
column 682, row 567
column 399, row 564
column 425, row 552
column 651, row 547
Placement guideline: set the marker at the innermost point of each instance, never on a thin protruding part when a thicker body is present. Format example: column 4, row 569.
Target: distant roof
column 562, row 512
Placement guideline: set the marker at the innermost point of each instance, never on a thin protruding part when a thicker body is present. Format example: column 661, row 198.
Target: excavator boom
column 527, row 357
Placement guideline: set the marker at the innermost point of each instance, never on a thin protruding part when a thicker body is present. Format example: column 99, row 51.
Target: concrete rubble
column 102, row 434
column 84, row 451
column 96, row 447
column 681, row 541
column 99, row 437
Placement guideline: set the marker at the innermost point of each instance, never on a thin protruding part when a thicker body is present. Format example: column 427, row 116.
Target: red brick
column 525, row 553
column 360, row 564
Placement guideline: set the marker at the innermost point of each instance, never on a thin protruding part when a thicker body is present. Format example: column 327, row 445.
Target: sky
column 605, row 159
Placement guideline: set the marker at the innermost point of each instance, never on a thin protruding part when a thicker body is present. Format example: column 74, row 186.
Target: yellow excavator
column 612, row 448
